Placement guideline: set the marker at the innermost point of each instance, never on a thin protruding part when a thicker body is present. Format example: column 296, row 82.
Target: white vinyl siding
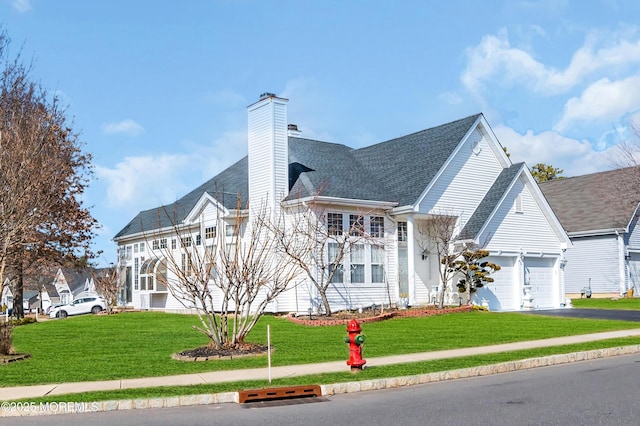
column 268, row 152
column 528, row 231
column 593, row 260
column 466, row 180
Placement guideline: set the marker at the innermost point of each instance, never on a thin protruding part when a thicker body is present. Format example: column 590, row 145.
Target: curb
column 12, row 409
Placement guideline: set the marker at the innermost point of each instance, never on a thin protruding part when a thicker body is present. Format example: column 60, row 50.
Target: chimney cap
column 267, row 95
column 292, row 127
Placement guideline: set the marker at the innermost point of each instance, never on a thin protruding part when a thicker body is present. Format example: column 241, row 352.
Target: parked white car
column 83, row 305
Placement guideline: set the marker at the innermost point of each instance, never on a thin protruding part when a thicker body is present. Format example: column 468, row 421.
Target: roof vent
column 292, row 130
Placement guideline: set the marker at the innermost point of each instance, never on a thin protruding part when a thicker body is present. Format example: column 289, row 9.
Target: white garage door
column 539, row 274
column 502, row 292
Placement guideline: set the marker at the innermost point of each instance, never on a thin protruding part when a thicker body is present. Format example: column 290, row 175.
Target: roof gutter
column 597, row 232
column 348, row 202
column 403, row 210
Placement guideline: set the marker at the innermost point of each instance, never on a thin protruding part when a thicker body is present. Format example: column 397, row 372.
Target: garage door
column 502, row 292
column 539, row 274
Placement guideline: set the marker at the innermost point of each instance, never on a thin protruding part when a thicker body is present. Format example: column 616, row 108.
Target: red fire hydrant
column 355, row 341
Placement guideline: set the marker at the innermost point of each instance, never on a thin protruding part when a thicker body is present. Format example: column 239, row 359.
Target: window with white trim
column 333, row 252
column 377, row 264
column 376, row 226
column 136, row 268
column 231, row 230
column 209, row 232
column 402, row 231
column 356, row 225
column 186, row 264
column 357, row 263
column 334, row 223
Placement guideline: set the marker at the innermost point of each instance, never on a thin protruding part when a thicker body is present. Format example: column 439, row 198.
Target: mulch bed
column 343, row 317
column 206, row 353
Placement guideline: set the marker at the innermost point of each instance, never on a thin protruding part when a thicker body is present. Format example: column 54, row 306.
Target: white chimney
column 268, row 152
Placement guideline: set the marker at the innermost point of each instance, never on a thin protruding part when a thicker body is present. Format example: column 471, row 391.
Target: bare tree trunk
column 18, row 293
column 325, row 303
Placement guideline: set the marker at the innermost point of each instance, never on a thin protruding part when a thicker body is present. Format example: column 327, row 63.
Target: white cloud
column 451, row 98
column 137, row 183
column 219, row 154
column 603, row 101
column 575, row 157
column 228, row 98
column 127, row 127
column 494, row 60
column 22, row 6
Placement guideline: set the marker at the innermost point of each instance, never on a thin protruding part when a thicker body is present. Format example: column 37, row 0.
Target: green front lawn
column 627, row 303
column 128, row 345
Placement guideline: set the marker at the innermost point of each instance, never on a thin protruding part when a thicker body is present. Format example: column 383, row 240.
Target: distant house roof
column 76, row 278
column 594, row 202
column 394, row 171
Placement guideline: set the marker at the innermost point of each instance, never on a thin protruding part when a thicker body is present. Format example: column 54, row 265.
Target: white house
column 6, row 298
column 599, row 211
column 457, row 168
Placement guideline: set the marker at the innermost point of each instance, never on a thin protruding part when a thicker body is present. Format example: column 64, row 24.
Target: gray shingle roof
column 397, row 171
column 597, row 201
column 408, row 164
column 490, row 201
column 226, row 187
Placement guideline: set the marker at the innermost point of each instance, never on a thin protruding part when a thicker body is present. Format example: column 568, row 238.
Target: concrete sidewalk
column 26, row 392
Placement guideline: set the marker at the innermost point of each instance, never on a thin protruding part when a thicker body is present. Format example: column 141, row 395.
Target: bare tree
column 43, row 173
column 318, row 242
column 108, row 282
column 438, row 235
column 229, row 284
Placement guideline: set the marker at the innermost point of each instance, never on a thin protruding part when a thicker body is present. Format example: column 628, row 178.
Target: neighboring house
column 30, row 301
column 71, row 283
column 67, row 284
column 458, row 169
column 599, row 211
column 6, row 298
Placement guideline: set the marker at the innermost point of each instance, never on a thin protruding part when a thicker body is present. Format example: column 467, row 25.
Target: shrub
column 22, row 321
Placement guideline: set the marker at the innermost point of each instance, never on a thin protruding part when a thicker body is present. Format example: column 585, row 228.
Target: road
column 587, row 393
column 612, row 314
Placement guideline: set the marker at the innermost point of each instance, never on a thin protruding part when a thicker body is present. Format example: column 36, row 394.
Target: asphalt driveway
column 591, row 313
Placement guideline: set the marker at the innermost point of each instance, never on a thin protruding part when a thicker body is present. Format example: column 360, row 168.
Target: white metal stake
column 269, row 349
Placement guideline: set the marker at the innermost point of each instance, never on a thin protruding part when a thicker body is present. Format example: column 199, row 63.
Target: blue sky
column 159, row 89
